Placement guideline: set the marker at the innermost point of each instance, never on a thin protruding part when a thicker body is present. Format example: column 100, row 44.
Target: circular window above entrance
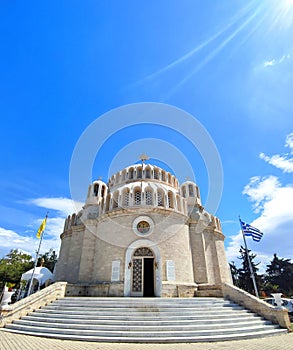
column 143, row 226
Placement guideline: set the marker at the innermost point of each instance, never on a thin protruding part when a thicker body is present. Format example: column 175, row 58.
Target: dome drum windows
column 137, row 196
column 139, row 173
column 148, row 173
column 131, row 174
column 156, row 174
column 149, row 197
column 126, row 198
column 170, row 200
column 160, row 196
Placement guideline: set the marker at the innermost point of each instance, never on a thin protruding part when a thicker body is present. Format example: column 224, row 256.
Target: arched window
column 130, row 173
column 143, row 251
column 191, row 190
column 161, row 202
column 156, row 174
column 169, row 179
column 139, row 173
column 137, row 196
column 123, row 175
column 170, row 200
column 115, row 199
column 148, row 173
column 125, row 198
column 96, row 189
column 149, row 196
column 103, row 191
column 163, row 176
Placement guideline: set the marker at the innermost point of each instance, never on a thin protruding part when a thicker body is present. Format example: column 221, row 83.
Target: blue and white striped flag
column 249, row 230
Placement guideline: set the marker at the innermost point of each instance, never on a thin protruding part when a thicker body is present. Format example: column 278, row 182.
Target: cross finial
column 187, row 178
column 100, row 177
column 144, row 157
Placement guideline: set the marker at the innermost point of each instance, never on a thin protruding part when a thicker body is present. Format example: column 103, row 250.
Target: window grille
column 125, row 199
column 148, row 198
column 137, row 198
column 160, row 199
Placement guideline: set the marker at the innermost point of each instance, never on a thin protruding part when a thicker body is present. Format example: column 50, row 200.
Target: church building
column 143, row 234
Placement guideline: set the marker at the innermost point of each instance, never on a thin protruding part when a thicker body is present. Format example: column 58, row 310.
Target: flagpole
column 36, row 262
column 249, row 262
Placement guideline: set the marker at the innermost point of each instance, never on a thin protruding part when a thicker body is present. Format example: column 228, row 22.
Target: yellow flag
column 42, row 227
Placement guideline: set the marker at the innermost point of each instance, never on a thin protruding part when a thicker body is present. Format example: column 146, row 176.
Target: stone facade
column 143, row 234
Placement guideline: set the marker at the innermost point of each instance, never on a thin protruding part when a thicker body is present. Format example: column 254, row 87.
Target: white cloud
column 273, row 201
column 59, row 209
column 29, row 244
column 275, row 61
column 283, row 162
column 289, row 142
column 260, row 190
column 269, row 63
column 64, row 206
column 278, row 161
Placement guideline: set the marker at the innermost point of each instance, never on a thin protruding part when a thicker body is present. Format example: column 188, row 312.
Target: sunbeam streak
column 220, row 47
column 241, row 14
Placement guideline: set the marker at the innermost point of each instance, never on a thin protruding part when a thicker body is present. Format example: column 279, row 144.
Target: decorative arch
column 148, row 172
column 156, row 174
column 139, row 172
column 137, row 196
column 142, row 243
column 161, row 198
column 96, row 190
column 126, row 198
column 149, row 196
column 115, row 199
column 170, row 200
column 131, row 173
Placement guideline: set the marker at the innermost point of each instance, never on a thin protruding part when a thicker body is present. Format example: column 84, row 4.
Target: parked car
column 287, row 303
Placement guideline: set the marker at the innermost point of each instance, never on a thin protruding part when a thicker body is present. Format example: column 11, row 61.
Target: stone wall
column 256, row 305
column 12, row 312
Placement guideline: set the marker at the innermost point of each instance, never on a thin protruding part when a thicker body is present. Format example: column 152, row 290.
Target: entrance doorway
column 143, row 273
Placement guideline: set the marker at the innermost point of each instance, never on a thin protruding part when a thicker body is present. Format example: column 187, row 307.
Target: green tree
column 12, row 266
column 279, row 276
column 245, row 280
column 50, row 259
column 234, row 273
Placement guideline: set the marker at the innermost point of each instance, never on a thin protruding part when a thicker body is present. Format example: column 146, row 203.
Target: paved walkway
column 11, row 341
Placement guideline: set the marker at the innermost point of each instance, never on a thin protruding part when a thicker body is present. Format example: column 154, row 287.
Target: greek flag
column 249, row 230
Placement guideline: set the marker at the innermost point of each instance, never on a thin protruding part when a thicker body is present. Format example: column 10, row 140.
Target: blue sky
column 227, row 63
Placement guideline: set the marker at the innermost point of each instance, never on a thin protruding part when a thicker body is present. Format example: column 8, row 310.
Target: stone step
column 149, row 309
column 143, row 303
column 144, row 334
column 154, row 339
column 144, row 320
column 140, row 317
column 142, row 326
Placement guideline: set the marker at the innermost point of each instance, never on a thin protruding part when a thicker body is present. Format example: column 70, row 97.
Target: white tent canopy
column 42, row 274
